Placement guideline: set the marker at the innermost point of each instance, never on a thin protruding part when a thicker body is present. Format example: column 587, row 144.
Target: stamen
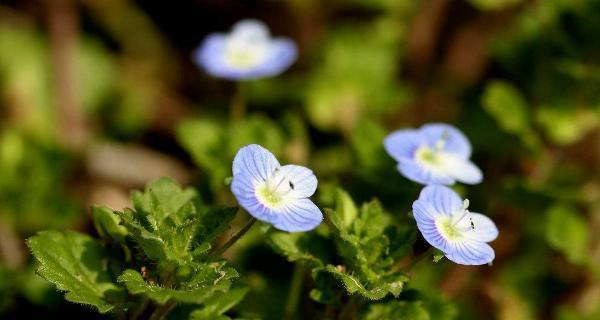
column 439, row 145
column 464, row 210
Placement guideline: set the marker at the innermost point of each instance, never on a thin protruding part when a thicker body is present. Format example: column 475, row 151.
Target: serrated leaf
column 77, row 264
column 164, row 198
column 107, row 223
column 208, row 279
column 218, row 304
column 295, row 247
column 392, row 284
column 397, row 310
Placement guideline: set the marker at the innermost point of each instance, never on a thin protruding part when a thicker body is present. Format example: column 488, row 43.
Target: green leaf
column 345, row 207
column 392, row 284
column 505, row 103
column 296, row 247
column 219, row 303
column 438, row 255
column 164, row 198
column 567, row 232
column 397, row 310
column 77, row 264
column 206, row 281
column 107, row 223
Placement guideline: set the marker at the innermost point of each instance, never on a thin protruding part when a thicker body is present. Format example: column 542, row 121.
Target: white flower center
column 274, row 191
column 433, row 158
column 247, row 46
column 454, row 227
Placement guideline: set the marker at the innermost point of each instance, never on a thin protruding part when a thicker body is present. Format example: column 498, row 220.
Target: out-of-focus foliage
column 365, row 68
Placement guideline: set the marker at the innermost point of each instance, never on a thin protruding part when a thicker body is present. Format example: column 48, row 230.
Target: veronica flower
column 436, row 153
column 273, row 193
column 445, row 222
column 247, row 52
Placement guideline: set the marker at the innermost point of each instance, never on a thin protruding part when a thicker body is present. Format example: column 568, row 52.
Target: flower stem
column 294, row 294
column 420, row 258
column 217, row 253
column 162, row 311
column 238, row 103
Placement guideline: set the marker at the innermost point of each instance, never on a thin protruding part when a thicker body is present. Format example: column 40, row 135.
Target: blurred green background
column 98, row 97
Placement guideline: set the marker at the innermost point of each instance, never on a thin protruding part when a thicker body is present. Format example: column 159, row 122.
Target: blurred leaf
column 494, row 4
column 296, row 247
column 505, row 103
column 218, row 304
column 397, row 310
column 75, row 263
column 566, row 125
column 567, row 232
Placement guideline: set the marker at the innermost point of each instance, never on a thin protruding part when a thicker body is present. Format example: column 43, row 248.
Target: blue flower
column 443, row 219
column 247, row 52
column 272, row 193
column 436, row 153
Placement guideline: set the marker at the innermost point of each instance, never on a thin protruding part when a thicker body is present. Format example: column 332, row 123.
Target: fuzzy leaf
column 392, row 284
column 208, row 279
column 567, row 232
column 107, row 223
column 77, row 264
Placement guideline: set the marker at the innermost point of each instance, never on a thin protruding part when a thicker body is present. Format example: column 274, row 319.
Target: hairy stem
column 217, row 253
column 161, row 311
column 238, row 103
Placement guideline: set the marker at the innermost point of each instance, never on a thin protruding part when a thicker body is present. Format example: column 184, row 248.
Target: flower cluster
column 437, row 155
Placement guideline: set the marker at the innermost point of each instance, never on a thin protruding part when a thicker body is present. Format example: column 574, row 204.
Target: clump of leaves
column 149, row 259
column 368, row 249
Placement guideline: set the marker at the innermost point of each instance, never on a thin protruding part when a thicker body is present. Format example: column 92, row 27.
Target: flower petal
column 300, row 181
column 424, row 215
column 485, row 229
column 402, row 144
column 455, row 141
column 470, row 252
column 460, row 169
column 443, row 199
column 298, row 215
column 422, row 174
column 282, row 53
column 210, row 56
column 252, row 164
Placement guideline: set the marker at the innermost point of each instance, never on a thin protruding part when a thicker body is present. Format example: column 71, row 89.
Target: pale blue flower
column 272, row 193
column 443, row 219
column 247, row 52
column 436, row 153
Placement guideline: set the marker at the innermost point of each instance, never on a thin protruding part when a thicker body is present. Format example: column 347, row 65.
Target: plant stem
column 238, row 103
column 217, row 253
column 295, row 291
column 420, row 258
column 162, row 311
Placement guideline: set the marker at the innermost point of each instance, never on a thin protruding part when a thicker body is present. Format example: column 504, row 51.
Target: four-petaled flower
column 443, row 219
column 248, row 52
column 273, row 193
column 433, row 154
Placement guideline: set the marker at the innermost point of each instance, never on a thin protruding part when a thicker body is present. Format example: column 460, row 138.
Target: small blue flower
column 272, row 193
column 247, row 52
column 445, row 222
column 436, row 153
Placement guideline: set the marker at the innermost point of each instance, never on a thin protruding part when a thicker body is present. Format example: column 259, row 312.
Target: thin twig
column 217, row 253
